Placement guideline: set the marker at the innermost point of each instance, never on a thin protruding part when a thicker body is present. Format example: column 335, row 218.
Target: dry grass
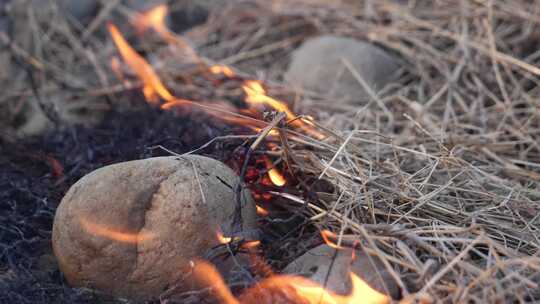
column 438, row 175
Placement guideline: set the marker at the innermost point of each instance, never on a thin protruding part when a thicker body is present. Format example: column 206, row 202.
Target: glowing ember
column 113, row 234
column 261, row 211
column 275, row 176
column 153, row 86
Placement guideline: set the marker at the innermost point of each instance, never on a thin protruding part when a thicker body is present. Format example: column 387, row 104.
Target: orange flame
column 112, row 234
column 256, row 94
column 293, row 288
column 155, row 18
column 153, row 86
column 154, row 89
column 361, row 293
column 251, row 245
column 301, row 290
column 275, row 176
column 261, row 211
column 222, row 69
column 223, row 239
column 327, row 235
column 206, row 275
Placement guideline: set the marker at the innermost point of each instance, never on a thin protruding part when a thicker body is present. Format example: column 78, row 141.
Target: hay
column 438, row 175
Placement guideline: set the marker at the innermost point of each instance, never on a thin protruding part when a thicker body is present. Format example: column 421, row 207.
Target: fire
column 113, row 234
column 256, row 94
column 285, row 288
column 301, row 290
column 251, row 245
column 327, row 235
column 222, row 69
column 153, row 87
column 261, row 211
column 155, row 18
column 223, row 239
column 275, row 176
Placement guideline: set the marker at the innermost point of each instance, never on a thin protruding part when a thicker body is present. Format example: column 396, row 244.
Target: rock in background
column 331, row 269
column 318, row 65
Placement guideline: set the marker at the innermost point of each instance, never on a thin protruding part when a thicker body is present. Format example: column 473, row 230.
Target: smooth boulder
column 318, row 65
column 133, row 229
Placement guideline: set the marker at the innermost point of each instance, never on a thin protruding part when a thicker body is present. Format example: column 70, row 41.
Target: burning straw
column 438, row 176
column 442, row 182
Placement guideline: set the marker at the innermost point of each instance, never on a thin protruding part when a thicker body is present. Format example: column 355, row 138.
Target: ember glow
column 113, row 234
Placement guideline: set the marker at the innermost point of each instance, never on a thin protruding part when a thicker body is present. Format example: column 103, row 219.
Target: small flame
column 251, row 245
column 206, row 275
column 327, row 235
column 302, row 290
column 256, row 94
column 261, row 211
column 155, row 18
column 222, row 69
column 285, row 287
column 223, row 239
column 153, row 86
column 275, row 176
column 112, row 234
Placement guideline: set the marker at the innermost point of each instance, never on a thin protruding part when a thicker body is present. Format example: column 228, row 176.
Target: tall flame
column 153, row 86
column 154, row 89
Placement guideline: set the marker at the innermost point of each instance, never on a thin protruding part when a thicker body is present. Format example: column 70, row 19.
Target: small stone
column 317, row 265
column 318, row 66
column 132, row 229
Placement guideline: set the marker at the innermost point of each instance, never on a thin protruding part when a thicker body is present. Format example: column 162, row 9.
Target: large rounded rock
column 131, row 229
column 332, row 269
column 318, row 66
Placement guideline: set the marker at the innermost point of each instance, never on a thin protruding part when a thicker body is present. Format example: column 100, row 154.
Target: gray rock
column 318, row 66
column 81, row 10
column 132, row 229
column 316, row 264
